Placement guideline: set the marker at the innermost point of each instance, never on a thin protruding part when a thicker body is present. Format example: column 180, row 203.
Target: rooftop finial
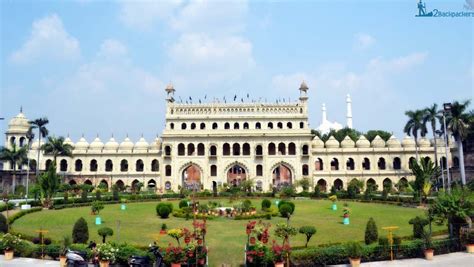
column 21, row 109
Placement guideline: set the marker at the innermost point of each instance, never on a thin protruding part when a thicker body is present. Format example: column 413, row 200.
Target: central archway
column 282, row 176
column 191, row 176
column 236, row 174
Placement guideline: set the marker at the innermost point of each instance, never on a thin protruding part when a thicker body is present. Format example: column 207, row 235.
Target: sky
column 100, row 67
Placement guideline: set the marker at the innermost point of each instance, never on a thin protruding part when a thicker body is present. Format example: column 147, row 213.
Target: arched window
column 200, row 149
column 322, row 184
column 305, row 169
column 246, row 125
column 318, row 164
column 172, row 126
column 381, row 164
column 366, row 164
column 167, row 185
column 213, row 150
column 109, row 165
column 281, row 149
column 371, row 184
column 22, row 141
column 72, row 182
column 181, row 149
column 63, row 165
column 397, row 164
column 226, row 149
column 387, row 184
column 214, row 126
column 350, row 164
column 334, row 164
column 411, row 161
column 246, row 149
column 193, row 126
column 259, row 150
column 270, row 125
column 236, row 149
column 155, row 165
column 304, row 150
column 93, row 165
column 259, row 170
column 48, row 164
column 89, row 182
column 271, row 149
column 151, row 184
column 12, row 140
column 139, row 165
column 442, row 163
column 236, row 126
column 282, row 176
column 202, row 126
column 124, row 165
column 258, row 125
column 78, row 165
column 227, row 126
column 167, row 151
column 33, row 165
column 291, row 149
column 191, row 149
column 338, row 184
column 427, row 159
column 183, row 126
column 301, row 127
column 213, row 170
column 168, row 170
column 289, row 125
column 280, row 125
column 236, row 174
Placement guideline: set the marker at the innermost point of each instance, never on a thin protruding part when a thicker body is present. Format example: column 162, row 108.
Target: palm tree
column 458, row 123
column 415, row 125
column 424, row 172
column 431, row 116
column 42, row 132
column 16, row 156
column 57, row 147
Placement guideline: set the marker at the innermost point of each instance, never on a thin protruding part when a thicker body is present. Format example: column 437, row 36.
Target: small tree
column 3, row 224
column 96, row 207
column 49, row 184
column 304, row 184
column 308, row 231
column 285, row 210
column 371, row 232
column 163, row 209
column 80, row 232
column 317, row 191
column 418, row 226
column 266, row 204
column 104, row 232
column 183, row 203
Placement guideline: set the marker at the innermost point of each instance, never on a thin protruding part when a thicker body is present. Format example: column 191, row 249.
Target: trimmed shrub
column 266, row 204
column 354, row 250
column 80, row 232
column 164, row 212
column 418, row 226
column 371, row 232
column 285, row 210
column 308, row 231
column 183, row 203
column 292, row 205
column 104, row 232
column 22, row 213
column 3, row 224
column 317, row 192
column 159, row 209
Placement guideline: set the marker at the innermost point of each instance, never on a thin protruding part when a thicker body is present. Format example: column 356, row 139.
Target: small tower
column 17, row 131
column 323, row 109
column 303, row 92
column 170, row 93
column 349, row 111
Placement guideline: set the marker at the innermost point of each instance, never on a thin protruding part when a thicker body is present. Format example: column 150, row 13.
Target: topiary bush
column 418, row 226
column 183, row 203
column 285, row 210
column 3, row 224
column 104, row 232
column 163, row 209
column 292, row 205
column 308, row 231
column 80, row 231
column 266, row 204
column 371, row 232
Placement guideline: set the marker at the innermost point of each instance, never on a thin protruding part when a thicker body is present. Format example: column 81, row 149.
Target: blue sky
column 100, row 67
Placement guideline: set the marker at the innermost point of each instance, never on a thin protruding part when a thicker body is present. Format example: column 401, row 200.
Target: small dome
column 363, row 142
column 347, row 142
column 36, row 144
column 378, row 142
column 332, row 142
column 439, row 142
column 408, row 142
column 111, row 144
column 304, row 86
column 169, row 87
column 126, row 144
column 68, row 141
column 18, row 124
column 317, row 142
column 156, row 144
column 82, row 144
column 96, row 144
column 142, row 144
column 424, row 142
column 393, row 142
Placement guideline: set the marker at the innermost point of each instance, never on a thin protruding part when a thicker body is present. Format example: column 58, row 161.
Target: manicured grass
column 226, row 238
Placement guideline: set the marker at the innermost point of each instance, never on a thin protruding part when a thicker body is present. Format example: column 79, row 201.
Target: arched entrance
column 322, row 185
column 191, row 177
column 281, row 176
column 236, row 174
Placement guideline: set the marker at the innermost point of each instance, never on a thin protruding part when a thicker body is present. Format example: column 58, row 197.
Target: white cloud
column 111, row 49
column 398, row 64
column 48, row 39
column 364, row 41
column 142, row 15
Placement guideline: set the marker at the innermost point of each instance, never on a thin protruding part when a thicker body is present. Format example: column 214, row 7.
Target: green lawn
column 226, row 238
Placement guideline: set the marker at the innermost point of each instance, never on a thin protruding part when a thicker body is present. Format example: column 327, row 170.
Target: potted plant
column 106, row 253
column 163, row 229
column 280, row 253
column 333, row 198
column 65, row 243
column 354, row 251
column 9, row 242
column 346, row 212
column 175, row 255
column 428, row 246
column 176, row 234
column 202, row 255
column 470, row 242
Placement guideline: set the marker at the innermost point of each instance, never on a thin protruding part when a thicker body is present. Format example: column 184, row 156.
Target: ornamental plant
column 346, row 211
column 175, row 254
column 371, row 232
column 176, row 233
column 418, row 226
column 308, row 231
column 284, row 231
column 9, row 241
column 96, row 207
column 106, row 252
column 266, row 204
column 164, row 212
column 104, row 232
column 80, row 232
column 354, row 250
column 257, row 239
column 333, row 198
column 280, row 253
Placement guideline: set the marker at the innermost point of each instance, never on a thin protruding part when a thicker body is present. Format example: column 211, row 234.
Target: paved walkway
column 27, row 262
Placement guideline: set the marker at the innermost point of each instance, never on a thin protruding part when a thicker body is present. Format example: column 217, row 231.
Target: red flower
column 252, row 240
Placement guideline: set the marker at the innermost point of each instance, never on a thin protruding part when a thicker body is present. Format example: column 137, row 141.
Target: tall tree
column 431, row 116
column 49, row 183
column 40, row 124
column 15, row 156
column 415, row 125
column 57, row 147
column 458, row 121
column 425, row 172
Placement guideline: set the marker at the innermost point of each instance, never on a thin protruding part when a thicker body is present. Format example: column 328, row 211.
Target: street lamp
column 446, row 109
column 440, row 133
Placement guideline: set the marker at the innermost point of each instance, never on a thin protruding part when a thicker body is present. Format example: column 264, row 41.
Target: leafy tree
column 371, row 232
column 49, row 183
column 354, row 187
column 15, row 156
column 418, row 226
column 415, row 125
column 288, row 191
column 455, row 207
column 304, row 184
column 424, row 172
column 247, row 185
column 96, row 207
column 3, row 224
column 370, row 135
column 80, row 232
column 56, row 147
column 285, row 210
column 308, row 231
column 115, row 192
column 40, row 124
column 104, row 232
column 432, row 115
column 284, row 231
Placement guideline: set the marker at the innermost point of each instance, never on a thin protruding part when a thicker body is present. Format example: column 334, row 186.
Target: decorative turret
column 424, row 142
column 111, row 145
column 317, row 142
column 347, row 142
column 81, row 144
column 170, row 93
column 363, row 142
column 378, row 142
column 408, row 142
column 332, row 142
column 96, row 144
column 141, row 145
column 303, row 92
column 393, row 142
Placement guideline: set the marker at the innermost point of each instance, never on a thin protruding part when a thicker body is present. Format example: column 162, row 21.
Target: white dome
column 18, row 124
column 317, row 142
column 82, row 144
column 126, row 144
column 111, row 144
column 156, row 144
column 393, row 142
column 378, row 142
column 142, row 144
column 424, row 142
column 347, row 142
column 332, row 142
column 96, row 144
column 36, row 144
column 363, row 142
column 68, row 141
column 408, row 142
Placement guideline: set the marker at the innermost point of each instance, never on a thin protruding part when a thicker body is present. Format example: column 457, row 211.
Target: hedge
column 22, row 213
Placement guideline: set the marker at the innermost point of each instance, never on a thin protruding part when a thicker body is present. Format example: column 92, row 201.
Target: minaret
column 349, row 111
column 323, row 109
column 303, row 92
column 170, row 93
